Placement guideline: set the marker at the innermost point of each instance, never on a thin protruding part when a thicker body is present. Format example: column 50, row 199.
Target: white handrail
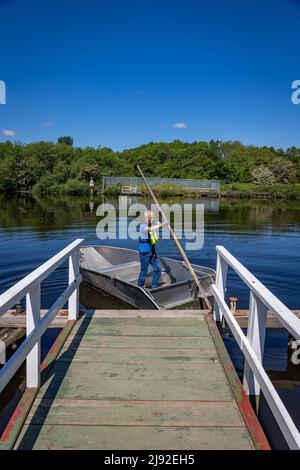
column 283, row 313
column 252, row 346
column 16, row 360
column 30, row 286
column 19, row 290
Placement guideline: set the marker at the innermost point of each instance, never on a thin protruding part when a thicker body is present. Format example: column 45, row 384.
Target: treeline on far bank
column 61, row 168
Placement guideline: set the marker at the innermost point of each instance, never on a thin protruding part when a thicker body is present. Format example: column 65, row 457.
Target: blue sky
column 120, row 73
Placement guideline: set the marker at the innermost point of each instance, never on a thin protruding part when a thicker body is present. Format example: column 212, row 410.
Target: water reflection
column 54, row 212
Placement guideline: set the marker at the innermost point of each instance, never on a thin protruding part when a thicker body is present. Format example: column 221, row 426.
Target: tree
column 51, row 167
column 263, row 175
column 7, row 175
column 88, row 171
column 66, row 140
column 283, row 170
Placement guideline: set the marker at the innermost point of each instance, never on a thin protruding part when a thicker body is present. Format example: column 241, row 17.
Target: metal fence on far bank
column 197, row 184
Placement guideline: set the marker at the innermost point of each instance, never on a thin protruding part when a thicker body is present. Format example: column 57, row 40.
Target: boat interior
column 124, row 265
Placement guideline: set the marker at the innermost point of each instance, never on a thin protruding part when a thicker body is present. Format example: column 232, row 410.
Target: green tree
column 66, row 140
column 88, row 171
column 283, row 170
column 263, row 175
column 60, row 167
column 8, row 180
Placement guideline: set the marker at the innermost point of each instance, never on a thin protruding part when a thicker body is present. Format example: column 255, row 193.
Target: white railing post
column 221, row 278
column 33, row 311
column 256, row 332
column 73, row 304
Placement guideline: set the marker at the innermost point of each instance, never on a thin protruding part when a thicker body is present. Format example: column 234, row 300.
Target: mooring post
column 92, row 185
column 33, row 311
column 73, row 304
column 256, row 331
column 221, row 278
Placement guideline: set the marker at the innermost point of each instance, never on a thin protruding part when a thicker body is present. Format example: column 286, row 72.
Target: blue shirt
column 144, row 245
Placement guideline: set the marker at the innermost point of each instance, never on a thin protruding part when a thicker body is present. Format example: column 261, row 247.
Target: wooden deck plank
column 141, row 342
column 129, row 355
column 141, row 330
column 214, row 388
column 153, row 331
column 53, row 437
column 75, row 372
column 144, row 313
column 134, row 413
column 12, row 320
column 156, row 321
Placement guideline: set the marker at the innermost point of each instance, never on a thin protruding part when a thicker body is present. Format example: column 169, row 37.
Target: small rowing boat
column 116, row 271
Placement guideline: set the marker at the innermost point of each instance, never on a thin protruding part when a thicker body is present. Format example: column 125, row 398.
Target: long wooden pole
column 185, row 258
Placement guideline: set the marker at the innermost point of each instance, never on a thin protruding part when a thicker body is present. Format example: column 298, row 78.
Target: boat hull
column 128, row 293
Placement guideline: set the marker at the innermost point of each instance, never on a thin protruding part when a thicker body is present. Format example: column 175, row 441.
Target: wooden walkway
column 142, row 380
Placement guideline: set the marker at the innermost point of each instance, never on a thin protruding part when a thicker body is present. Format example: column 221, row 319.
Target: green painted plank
column 143, row 342
column 141, row 327
column 140, row 330
column 144, row 321
column 130, row 437
column 134, row 413
column 123, row 355
column 91, row 372
column 211, row 387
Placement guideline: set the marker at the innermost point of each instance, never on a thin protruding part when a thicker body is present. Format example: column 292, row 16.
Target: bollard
column 18, row 310
column 2, row 352
column 233, row 302
column 92, row 185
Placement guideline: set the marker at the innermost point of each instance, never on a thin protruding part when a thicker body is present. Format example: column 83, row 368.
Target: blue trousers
column 146, row 259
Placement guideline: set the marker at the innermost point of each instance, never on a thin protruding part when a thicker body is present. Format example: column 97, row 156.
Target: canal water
column 264, row 235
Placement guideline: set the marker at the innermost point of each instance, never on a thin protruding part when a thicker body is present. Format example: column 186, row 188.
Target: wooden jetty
column 142, row 380
column 131, row 379
column 242, row 318
column 13, row 320
column 9, row 338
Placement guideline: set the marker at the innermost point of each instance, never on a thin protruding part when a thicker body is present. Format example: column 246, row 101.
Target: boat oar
column 185, row 258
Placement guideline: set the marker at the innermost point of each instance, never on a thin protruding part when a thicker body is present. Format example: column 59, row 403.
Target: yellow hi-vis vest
column 153, row 237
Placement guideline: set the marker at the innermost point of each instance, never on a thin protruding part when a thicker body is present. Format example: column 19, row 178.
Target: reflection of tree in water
column 55, row 212
column 46, row 213
column 245, row 214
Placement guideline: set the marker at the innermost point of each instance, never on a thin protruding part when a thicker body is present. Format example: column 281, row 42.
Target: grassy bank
column 250, row 190
column 231, row 191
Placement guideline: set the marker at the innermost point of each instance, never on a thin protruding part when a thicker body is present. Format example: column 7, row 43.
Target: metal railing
column 35, row 326
column 197, row 184
column 252, row 345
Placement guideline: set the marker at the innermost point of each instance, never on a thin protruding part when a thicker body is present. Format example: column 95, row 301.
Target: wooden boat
column 116, row 270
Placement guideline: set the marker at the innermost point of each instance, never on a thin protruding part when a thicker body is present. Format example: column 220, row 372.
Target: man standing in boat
column 147, row 245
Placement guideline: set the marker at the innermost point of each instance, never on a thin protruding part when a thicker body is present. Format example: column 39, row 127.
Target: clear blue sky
column 120, row 73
